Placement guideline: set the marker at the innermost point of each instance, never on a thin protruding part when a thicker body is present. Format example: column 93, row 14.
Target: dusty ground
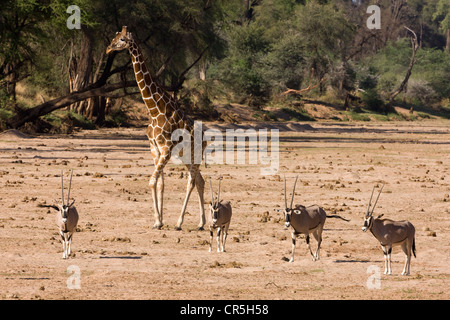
column 119, row 256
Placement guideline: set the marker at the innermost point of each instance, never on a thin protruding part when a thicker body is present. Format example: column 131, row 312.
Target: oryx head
column 64, row 208
column 368, row 217
column 288, row 210
column 214, row 205
column 120, row 42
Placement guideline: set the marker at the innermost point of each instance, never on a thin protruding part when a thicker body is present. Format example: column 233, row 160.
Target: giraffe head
column 120, row 42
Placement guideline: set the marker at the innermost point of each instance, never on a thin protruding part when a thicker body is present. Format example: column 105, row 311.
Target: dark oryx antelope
column 66, row 218
column 305, row 220
column 220, row 219
column 391, row 233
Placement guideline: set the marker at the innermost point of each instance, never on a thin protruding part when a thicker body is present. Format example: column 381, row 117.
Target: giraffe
column 166, row 117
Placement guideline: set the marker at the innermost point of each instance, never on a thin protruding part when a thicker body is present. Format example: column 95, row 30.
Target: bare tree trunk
column 408, row 72
column 101, row 111
column 11, row 81
column 202, row 67
column 447, row 43
column 80, row 70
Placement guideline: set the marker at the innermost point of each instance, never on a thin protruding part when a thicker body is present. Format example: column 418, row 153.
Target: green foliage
column 372, row 100
column 442, row 15
column 251, row 56
column 356, row 116
column 79, row 121
column 240, row 70
column 286, row 61
column 288, row 42
column 432, row 69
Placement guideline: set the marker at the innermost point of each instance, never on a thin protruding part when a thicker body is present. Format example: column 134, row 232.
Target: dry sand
column 119, row 256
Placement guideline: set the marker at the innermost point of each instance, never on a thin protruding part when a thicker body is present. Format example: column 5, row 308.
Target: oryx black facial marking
column 287, row 217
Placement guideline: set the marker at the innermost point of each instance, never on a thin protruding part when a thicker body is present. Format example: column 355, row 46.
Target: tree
column 174, row 36
column 19, row 30
column 442, row 14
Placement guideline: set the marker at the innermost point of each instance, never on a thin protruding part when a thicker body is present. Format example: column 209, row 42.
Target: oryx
column 66, row 218
column 305, row 220
column 220, row 219
column 391, row 233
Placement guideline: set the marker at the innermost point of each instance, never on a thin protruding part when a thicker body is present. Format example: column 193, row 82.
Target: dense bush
column 421, row 90
column 372, row 100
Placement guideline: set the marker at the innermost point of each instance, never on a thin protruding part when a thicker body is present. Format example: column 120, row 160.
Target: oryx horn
column 218, row 193
column 374, row 205
column 212, row 193
column 285, row 199
column 370, row 202
column 70, row 184
column 293, row 192
column 62, row 188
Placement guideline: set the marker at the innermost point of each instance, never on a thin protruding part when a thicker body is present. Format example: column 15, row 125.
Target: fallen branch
column 305, row 89
column 26, row 115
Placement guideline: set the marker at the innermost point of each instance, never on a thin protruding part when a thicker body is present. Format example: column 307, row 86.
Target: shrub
column 372, row 100
column 421, row 90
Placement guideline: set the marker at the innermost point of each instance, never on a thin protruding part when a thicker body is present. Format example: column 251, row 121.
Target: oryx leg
column 65, row 256
column 211, row 232
column 69, row 243
column 219, row 230
column 387, row 259
column 294, row 237
column 406, row 247
column 318, row 236
column 224, row 236
column 309, row 247
column 64, row 243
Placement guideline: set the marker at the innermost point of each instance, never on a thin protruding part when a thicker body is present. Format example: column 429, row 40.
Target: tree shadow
column 355, row 261
column 121, row 257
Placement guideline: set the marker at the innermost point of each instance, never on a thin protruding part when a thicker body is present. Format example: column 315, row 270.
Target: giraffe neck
column 155, row 98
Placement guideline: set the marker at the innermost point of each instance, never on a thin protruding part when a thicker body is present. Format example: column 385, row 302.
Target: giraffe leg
column 157, row 186
column 200, row 185
column 189, row 188
column 153, row 186
column 160, row 193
